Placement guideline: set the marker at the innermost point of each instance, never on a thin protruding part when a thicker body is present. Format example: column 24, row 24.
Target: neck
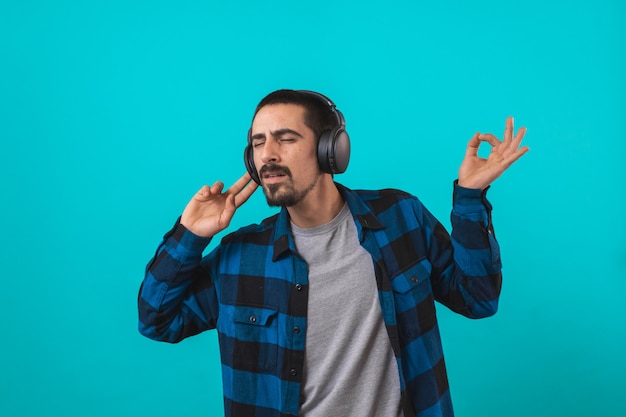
column 319, row 207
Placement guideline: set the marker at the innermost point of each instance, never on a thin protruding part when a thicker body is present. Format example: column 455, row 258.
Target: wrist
column 192, row 242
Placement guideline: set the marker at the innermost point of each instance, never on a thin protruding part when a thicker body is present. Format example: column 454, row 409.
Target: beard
column 284, row 194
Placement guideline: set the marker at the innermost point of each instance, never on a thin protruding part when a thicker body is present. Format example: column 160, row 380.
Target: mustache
column 275, row 169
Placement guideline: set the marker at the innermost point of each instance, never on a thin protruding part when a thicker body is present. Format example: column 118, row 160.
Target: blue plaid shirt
column 254, row 288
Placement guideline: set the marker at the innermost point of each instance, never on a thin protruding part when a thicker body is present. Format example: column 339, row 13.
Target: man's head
column 322, row 117
column 291, row 131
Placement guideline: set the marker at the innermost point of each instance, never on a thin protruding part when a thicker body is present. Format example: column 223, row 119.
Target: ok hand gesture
column 210, row 211
column 476, row 172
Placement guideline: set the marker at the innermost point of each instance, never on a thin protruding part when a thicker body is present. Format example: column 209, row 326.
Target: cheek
column 306, row 162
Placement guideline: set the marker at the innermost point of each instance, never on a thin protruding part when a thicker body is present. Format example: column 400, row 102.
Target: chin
column 280, row 198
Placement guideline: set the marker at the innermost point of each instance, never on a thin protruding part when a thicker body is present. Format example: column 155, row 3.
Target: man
column 327, row 308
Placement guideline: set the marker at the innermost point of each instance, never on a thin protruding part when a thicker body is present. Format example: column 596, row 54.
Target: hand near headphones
column 211, row 210
column 477, row 172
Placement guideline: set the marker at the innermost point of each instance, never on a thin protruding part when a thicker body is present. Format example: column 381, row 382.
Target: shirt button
column 293, row 372
column 299, row 287
column 253, row 319
column 414, row 279
column 296, row 330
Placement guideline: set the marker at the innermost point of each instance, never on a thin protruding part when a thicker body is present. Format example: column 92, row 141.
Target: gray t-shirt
column 350, row 369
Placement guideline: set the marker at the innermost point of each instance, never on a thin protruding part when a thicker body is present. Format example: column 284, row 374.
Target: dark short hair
column 318, row 116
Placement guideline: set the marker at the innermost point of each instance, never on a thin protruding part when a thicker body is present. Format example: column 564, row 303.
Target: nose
column 269, row 152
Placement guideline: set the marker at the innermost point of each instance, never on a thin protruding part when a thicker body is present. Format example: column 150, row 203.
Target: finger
column 242, row 189
column 228, row 212
column 245, row 194
column 511, row 145
column 217, row 187
column 519, row 136
column 515, row 156
column 521, row 151
column 508, row 129
column 489, row 138
column 203, row 193
column 472, row 146
column 239, row 184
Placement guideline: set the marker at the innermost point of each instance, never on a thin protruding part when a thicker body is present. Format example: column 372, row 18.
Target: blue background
column 112, row 114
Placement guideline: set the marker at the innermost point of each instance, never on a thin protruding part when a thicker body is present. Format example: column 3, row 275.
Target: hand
column 476, row 172
column 210, row 211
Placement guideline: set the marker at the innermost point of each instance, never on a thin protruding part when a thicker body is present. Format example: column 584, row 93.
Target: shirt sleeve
column 466, row 265
column 177, row 297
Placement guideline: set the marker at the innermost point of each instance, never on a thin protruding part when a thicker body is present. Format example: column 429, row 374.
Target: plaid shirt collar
column 366, row 219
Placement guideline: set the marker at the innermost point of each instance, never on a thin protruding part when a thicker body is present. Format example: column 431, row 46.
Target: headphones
column 333, row 146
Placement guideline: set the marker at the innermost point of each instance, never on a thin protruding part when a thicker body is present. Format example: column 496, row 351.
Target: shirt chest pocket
column 254, row 345
column 413, row 292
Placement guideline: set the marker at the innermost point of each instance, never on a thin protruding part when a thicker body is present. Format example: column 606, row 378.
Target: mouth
column 273, row 176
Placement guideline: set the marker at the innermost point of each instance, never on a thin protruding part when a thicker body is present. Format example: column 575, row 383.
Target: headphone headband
column 328, row 102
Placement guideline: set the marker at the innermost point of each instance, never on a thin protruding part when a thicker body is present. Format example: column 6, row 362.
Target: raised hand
column 476, row 172
column 210, row 210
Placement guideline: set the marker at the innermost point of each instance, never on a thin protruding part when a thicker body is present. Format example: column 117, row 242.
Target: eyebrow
column 279, row 132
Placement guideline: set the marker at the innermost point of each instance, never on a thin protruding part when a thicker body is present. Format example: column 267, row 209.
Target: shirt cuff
column 470, row 199
column 192, row 243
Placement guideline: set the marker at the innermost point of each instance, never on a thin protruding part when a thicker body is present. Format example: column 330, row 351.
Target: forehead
column 275, row 116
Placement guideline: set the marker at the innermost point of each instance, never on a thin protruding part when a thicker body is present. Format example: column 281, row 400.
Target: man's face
column 285, row 154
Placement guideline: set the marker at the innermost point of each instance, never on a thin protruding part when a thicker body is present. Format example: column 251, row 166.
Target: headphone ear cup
column 324, row 148
column 341, row 151
column 248, row 159
column 333, row 151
